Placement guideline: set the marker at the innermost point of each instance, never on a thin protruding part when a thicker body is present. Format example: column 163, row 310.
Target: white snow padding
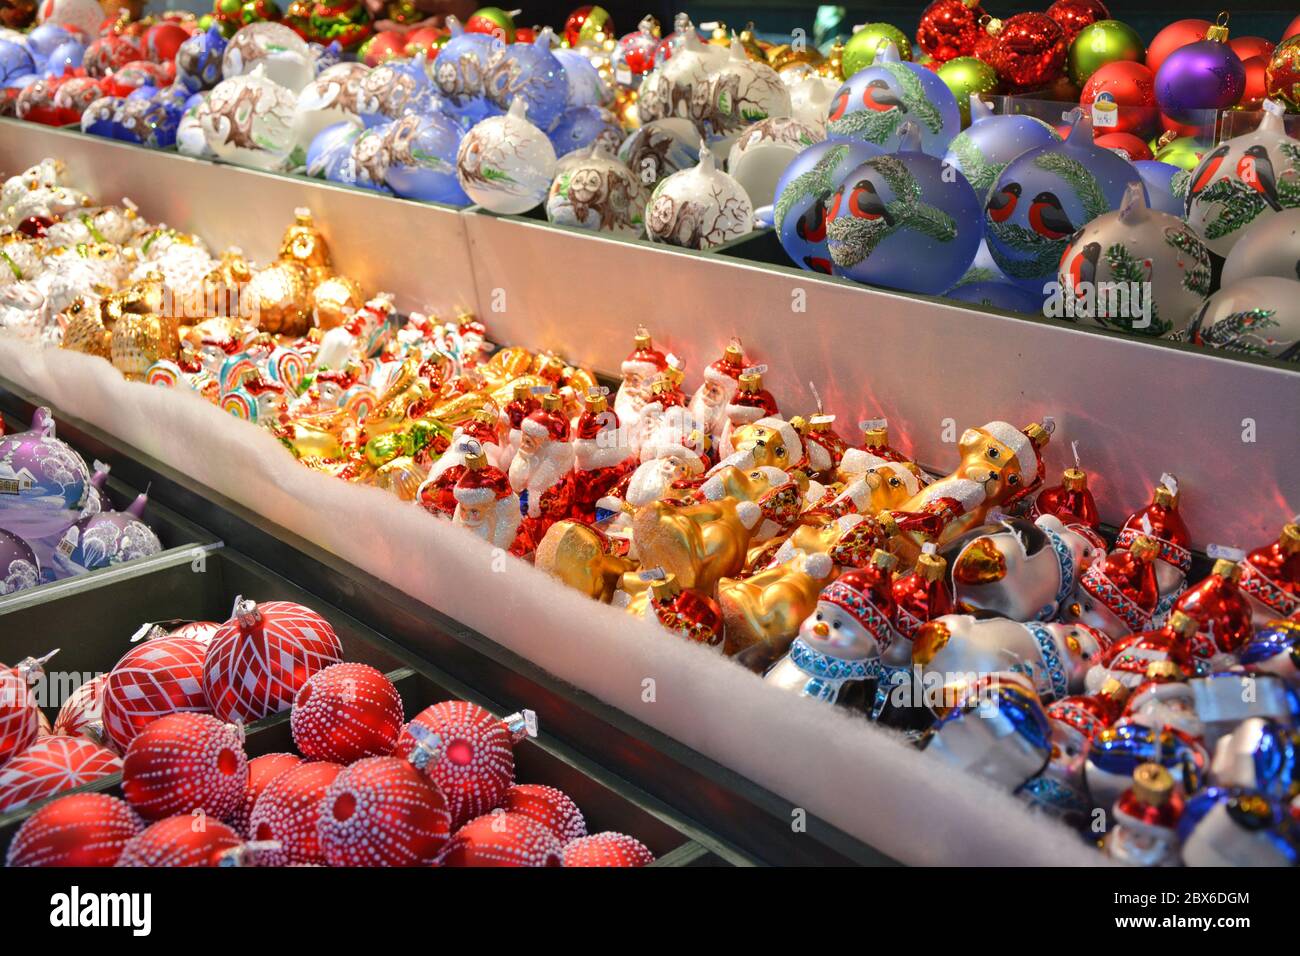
column 858, row 777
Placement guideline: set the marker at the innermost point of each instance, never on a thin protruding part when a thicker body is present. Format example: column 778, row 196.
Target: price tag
column 871, row 423
column 1105, row 112
column 822, row 420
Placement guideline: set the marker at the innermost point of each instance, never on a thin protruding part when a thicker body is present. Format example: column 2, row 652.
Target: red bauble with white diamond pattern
column 50, row 766
column 261, row 657
column 154, row 679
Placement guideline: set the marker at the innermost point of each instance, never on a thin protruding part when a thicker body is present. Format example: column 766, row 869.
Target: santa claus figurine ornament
column 485, row 504
column 542, row 471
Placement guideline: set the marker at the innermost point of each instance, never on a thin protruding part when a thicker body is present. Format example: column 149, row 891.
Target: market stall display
column 833, row 567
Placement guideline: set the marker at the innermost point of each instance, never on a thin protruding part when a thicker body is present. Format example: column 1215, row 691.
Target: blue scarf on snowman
column 826, row 674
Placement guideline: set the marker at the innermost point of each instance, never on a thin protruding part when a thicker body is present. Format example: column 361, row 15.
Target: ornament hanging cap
column 1273, row 120
column 887, row 53
column 909, row 138
column 428, row 746
column 1133, row 207
column 978, row 108
column 1152, row 784
column 137, row 507
column 453, row 26
column 738, row 53
column 648, row 25
column 246, row 853
column 31, row 668
column 246, row 612
column 544, row 36
column 1219, row 32
column 708, row 163
column 1080, row 127
column 518, row 109
column 521, row 725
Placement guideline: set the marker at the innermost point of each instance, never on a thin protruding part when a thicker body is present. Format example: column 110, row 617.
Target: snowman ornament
column 838, row 648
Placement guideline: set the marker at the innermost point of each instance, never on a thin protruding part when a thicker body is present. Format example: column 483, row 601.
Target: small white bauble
column 285, row 55
column 1270, row 247
column 764, row 150
column 332, row 97
column 1135, row 270
column 1244, row 181
column 505, row 163
column 599, row 193
column 1257, row 317
column 661, row 148
column 681, row 86
column 699, row 208
column 741, row 93
column 249, row 121
column 190, row 138
column 810, row 99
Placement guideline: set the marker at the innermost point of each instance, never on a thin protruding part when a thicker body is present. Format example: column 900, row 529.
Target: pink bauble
column 381, row 811
column 50, row 766
column 288, row 812
column 152, row 680
column 186, row 762
column 503, row 839
column 346, row 712
column 181, row 840
column 258, row 660
column 82, row 829
column 607, row 849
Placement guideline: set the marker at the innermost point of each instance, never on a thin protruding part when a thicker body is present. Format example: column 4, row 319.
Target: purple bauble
column 19, row 568
column 1205, row 75
column 41, row 479
column 112, row 537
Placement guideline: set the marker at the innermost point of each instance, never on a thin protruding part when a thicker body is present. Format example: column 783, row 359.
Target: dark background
column 1265, row 18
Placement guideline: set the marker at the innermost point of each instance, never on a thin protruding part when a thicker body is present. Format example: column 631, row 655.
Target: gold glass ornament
column 334, row 300
column 783, row 56
column 766, row 443
column 85, row 330
column 583, row 558
column 763, row 612
column 833, row 66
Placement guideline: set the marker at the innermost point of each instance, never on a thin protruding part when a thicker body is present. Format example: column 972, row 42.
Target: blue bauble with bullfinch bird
column 996, row 294
column 875, row 102
column 528, row 71
column 803, row 195
column 983, row 150
column 904, row 220
column 198, row 60
column 1246, row 179
column 1045, row 195
column 1159, row 179
column 460, row 68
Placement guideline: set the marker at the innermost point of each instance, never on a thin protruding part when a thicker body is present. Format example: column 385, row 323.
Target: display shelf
column 181, row 540
column 1136, row 408
column 94, row 624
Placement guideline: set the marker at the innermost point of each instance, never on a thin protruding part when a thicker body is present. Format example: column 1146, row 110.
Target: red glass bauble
column 1030, row 51
column 185, row 762
column 949, row 29
column 1133, row 88
column 261, row 771
column 607, row 849
column 288, row 811
column 1073, row 15
column 82, row 829
column 20, row 716
column 503, row 839
column 153, row 679
column 1177, row 34
column 1256, row 83
column 261, row 657
column 1131, row 147
column 381, row 811
column 474, row 762
column 50, row 766
column 346, row 712
column 550, row 807
column 182, row 840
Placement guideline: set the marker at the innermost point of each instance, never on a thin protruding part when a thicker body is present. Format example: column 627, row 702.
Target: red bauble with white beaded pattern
column 50, row 766
column 607, row 849
column 288, row 812
column 186, row 762
column 82, row 713
column 474, row 761
column 503, row 839
column 20, row 717
column 261, row 771
column 153, row 679
column 381, row 811
column 180, row 841
column 81, row 829
column 346, row 712
column 259, row 659
column 550, row 807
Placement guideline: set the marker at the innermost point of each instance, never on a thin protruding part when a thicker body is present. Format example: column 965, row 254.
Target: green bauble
column 860, row 51
column 1100, row 43
column 1183, row 152
column 965, row 75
